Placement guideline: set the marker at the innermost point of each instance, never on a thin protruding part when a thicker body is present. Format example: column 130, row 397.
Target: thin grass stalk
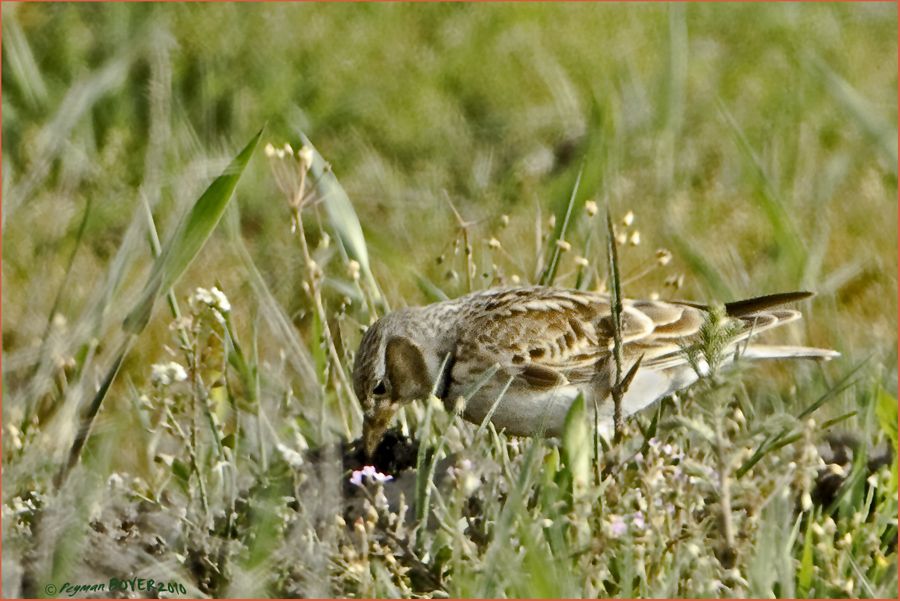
column 84, row 429
column 728, row 555
column 195, row 464
column 184, row 338
column 550, row 272
column 316, row 295
column 616, row 314
column 79, row 236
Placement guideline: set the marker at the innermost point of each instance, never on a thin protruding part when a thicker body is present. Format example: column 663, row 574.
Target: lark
column 523, row 355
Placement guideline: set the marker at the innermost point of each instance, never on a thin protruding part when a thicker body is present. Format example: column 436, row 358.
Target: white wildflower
column 115, row 481
column 292, row 457
column 15, row 436
column 305, row 155
column 213, row 298
column 806, row 501
column 164, row 374
column 368, row 474
column 353, row 268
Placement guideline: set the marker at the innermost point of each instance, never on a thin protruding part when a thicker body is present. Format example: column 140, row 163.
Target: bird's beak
column 375, row 426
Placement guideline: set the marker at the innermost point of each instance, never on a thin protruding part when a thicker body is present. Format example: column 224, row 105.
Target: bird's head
column 395, row 364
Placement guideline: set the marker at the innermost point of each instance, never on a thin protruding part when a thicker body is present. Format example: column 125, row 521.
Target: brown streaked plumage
column 545, row 346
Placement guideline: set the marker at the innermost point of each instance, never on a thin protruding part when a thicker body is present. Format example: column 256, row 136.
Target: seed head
column 305, row 156
column 353, row 269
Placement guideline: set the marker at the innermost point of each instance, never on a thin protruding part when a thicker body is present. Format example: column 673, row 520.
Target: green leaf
column 180, row 470
column 576, row 445
column 341, row 214
column 580, row 181
column 560, row 234
column 805, row 573
column 189, row 238
column 432, row 292
column 317, row 348
column 886, row 412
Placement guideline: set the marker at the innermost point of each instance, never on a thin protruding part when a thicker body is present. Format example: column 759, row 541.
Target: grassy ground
column 756, row 144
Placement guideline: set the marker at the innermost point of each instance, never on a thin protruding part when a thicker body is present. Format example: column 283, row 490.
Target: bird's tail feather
column 774, row 351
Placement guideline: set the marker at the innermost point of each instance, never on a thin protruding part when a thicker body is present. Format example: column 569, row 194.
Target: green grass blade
column 785, row 230
column 805, row 573
column 84, row 429
column 879, row 130
column 576, row 446
column 341, row 213
column 773, row 441
column 886, row 413
column 560, row 234
column 189, row 238
column 700, row 265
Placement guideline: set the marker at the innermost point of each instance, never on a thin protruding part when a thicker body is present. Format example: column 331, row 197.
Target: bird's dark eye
column 380, row 388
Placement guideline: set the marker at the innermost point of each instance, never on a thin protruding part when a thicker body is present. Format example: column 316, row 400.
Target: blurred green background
column 756, row 142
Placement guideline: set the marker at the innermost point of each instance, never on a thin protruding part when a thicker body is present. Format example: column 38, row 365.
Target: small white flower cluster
column 116, row 481
column 164, row 374
column 15, row 436
column 633, row 237
column 368, row 474
column 464, row 474
column 213, row 298
column 21, row 506
column 304, row 154
column 292, row 457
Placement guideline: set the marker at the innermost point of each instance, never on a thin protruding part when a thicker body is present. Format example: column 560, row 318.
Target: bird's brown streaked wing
column 550, row 337
column 538, row 337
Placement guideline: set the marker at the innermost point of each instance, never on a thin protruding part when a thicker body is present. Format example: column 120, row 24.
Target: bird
column 522, row 355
